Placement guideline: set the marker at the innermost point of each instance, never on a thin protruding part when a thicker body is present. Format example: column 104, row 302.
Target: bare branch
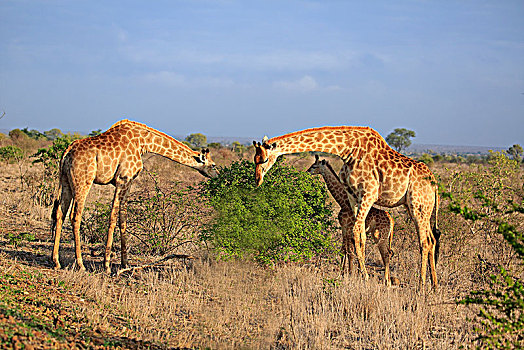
column 172, row 256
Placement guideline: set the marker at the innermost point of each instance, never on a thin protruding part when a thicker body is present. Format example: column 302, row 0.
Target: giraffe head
column 265, row 156
column 204, row 164
column 318, row 167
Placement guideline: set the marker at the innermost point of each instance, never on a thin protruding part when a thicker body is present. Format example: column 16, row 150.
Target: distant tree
column 426, row 158
column 399, row 139
column 214, row 145
column 197, row 140
column 95, row 132
column 17, row 135
column 238, row 147
column 515, row 152
column 53, row 134
column 34, row 134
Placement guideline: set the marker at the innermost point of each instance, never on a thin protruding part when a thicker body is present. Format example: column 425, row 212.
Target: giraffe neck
column 157, row 142
column 341, row 141
column 337, row 189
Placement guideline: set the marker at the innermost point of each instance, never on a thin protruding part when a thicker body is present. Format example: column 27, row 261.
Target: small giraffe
column 374, row 173
column 113, row 157
column 378, row 222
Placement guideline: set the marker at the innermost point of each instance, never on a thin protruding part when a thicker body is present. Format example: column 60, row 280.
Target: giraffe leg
column 60, row 209
column 112, row 224
column 346, row 221
column 76, row 218
column 350, row 252
column 123, row 225
column 344, row 252
column 433, row 260
column 359, row 235
column 427, row 245
column 384, row 253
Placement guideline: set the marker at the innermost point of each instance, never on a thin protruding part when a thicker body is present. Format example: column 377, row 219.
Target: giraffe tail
column 436, row 231
column 58, row 189
column 56, row 204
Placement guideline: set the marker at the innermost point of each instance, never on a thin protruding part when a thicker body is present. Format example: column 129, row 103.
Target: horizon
column 450, row 71
column 246, row 140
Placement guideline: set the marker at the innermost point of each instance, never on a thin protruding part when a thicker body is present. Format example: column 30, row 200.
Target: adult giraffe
column 375, row 174
column 378, row 222
column 113, row 157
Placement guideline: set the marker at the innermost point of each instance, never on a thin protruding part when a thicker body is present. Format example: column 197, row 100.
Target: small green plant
column 16, row 238
column 11, row 154
column 285, row 219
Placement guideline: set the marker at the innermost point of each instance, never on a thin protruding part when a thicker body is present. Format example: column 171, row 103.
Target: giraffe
column 113, row 157
column 374, row 173
column 378, row 222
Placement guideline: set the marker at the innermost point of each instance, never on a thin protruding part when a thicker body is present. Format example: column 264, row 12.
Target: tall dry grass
column 240, row 305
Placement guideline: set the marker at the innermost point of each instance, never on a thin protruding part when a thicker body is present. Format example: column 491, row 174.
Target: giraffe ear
column 201, row 158
column 323, row 162
column 265, row 139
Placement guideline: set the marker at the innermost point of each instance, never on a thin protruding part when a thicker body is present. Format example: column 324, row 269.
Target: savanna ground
column 206, row 302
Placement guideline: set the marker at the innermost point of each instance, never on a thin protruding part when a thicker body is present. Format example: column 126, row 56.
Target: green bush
column 11, row 154
column 285, row 219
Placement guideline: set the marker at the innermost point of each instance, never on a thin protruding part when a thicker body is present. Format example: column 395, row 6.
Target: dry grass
column 217, row 304
column 235, row 305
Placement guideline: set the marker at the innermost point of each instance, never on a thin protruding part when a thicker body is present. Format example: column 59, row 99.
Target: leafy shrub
column 50, row 158
column 491, row 199
column 501, row 305
column 498, row 182
column 11, row 154
column 285, row 219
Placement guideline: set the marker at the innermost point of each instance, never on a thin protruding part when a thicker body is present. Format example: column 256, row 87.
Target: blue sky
column 453, row 71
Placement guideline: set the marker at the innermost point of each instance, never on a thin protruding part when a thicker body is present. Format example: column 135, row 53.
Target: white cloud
column 165, row 78
column 304, row 84
column 172, row 79
column 161, row 52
